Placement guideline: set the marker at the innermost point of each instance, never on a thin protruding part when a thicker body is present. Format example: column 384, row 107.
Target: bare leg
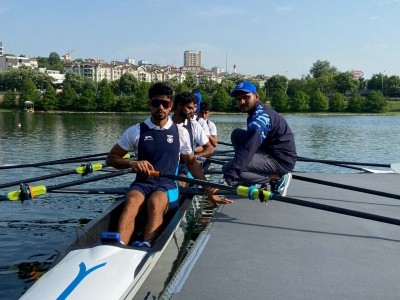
column 126, row 225
column 157, row 206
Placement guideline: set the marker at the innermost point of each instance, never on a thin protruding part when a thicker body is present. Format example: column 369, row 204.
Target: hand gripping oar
column 394, row 166
column 27, row 192
column 263, row 195
column 83, row 170
column 346, row 187
column 51, row 162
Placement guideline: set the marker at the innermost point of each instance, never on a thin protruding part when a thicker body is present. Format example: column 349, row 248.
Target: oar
column 123, row 190
column 51, row 162
column 253, row 193
column 83, row 170
column 224, row 143
column 210, row 160
column 394, row 166
column 223, row 153
column 27, row 192
column 346, row 187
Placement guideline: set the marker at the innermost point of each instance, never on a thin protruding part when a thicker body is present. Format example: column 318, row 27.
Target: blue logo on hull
column 81, row 275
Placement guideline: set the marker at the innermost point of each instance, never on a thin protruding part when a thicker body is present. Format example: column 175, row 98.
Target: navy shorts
column 148, row 189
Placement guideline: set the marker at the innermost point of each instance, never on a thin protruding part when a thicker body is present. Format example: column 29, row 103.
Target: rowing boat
column 90, row 269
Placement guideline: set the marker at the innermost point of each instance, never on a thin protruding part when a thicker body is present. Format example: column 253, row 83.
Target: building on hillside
column 1, row 49
column 130, row 61
column 13, row 62
column 58, row 78
column 192, row 58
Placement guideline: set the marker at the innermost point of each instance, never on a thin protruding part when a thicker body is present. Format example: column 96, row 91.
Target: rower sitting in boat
column 184, row 109
column 159, row 142
column 203, row 115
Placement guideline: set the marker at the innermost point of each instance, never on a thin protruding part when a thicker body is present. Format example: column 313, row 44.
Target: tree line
column 324, row 89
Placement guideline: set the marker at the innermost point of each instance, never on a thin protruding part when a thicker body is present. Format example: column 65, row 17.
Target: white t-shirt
column 199, row 136
column 211, row 126
column 130, row 138
column 204, row 125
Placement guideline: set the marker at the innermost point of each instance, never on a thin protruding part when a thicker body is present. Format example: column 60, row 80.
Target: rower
column 159, row 143
column 184, row 109
column 204, row 113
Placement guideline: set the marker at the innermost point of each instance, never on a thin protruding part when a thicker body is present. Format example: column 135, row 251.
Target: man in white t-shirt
column 160, row 143
column 204, row 113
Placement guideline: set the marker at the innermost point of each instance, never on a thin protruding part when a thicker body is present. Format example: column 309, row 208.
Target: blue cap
column 199, row 99
column 244, row 87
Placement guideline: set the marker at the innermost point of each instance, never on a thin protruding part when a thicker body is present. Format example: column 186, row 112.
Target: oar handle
column 155, row 173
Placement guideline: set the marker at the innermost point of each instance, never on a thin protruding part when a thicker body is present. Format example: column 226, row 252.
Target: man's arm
column 116, row 160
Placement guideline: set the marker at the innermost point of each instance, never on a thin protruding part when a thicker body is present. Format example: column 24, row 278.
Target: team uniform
column 197, row 137
column 204, row 125
column 212, row 128
column 162, row 148
column 266, row 147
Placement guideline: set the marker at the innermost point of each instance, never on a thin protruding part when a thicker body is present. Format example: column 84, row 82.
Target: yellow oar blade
column 84, row 168
column 33, row 191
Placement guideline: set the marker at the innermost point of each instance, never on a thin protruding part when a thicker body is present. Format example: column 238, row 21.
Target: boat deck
column 284, row 251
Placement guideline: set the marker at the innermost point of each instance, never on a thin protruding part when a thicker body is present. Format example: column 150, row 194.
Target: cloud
column 285, row 8
column 221, row 11
column 374, row 17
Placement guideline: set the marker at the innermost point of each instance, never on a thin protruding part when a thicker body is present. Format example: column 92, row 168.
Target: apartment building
column 1, row 49
column 11, row 62
column 192, row 58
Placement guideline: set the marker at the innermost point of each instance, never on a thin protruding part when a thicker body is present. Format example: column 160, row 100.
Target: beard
column 159, row 115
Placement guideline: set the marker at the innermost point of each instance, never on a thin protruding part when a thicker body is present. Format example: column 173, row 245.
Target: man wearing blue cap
column 266, row 151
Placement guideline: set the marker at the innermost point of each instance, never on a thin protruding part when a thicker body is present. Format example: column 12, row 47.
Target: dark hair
column 205, row 106
column 184, row 98
column 159, row 89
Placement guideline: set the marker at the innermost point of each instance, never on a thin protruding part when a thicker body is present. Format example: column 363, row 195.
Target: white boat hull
column 101, row 272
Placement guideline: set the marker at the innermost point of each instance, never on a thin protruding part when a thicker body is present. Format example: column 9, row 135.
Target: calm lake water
column 30, row 232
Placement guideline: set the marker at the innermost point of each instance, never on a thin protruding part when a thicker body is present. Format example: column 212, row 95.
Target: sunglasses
column 157, row 102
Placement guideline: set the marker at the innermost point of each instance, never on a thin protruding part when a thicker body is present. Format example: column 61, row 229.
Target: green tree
column 393, row 84
column 50, row 101
column 123, row 103
column 337, row 103
column 68, row 97
column 9, row 100
column 29, row 92
column 299, row 102
column 141, row 96
column 356, row 103
column 322, row 68
column 280, row 101
column 221, row 100
column 345, row 82
column 274, row 84
column 318, row 102
column 87, row 100
column 105, row 96
column 14, row 78
column 377, row 82
column 128, row 84
column 296, row 85
column 190, row 81
column 182, row 87
column 375, row 103
column 76, row 81
column 55, row 62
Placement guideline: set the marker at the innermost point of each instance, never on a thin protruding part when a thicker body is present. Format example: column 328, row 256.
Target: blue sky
column 258, row 36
